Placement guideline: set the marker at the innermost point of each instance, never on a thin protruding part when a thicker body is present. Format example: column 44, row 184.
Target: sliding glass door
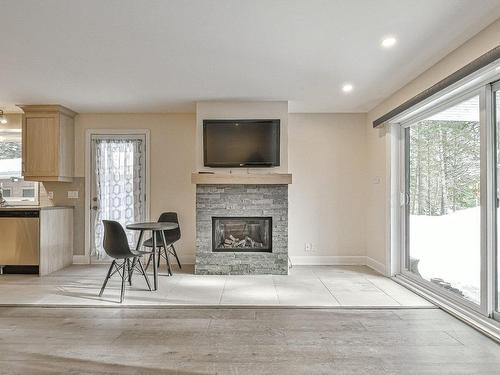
column 443, row 200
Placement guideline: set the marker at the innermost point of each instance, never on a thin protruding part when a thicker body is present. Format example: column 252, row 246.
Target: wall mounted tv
column 241, row 143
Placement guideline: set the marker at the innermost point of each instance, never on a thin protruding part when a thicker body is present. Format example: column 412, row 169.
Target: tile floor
column 305, row 286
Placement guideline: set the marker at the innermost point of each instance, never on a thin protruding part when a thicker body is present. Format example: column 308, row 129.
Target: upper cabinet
column 48, row 143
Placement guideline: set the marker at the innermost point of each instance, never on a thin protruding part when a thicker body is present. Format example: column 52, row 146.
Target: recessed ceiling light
column 388, row 42
column 347, row 87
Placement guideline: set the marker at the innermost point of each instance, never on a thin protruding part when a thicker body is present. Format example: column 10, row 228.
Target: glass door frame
column 487, row 166
column 89, row 133
column 93, row 182
column 494, row 254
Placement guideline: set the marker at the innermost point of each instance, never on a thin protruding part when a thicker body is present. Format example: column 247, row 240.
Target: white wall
column 243, row 110
column 327, row 157
column 172, row 160
column 377, row 235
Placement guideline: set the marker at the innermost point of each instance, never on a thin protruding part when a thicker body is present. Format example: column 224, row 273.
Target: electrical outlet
column 73, row 194
column 308, row 247
column 50, row 194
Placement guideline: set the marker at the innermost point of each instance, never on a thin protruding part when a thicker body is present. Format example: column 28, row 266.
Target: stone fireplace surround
column 241, row 200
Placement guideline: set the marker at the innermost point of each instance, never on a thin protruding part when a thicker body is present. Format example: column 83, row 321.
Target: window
column 15, row 190
column 28, row 193
column 446, row 157
column 444, row 210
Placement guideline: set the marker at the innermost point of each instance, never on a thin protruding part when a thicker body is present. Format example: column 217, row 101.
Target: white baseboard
column 327, row 260
column 332, row 260
column 375, row 265
column 315, row 260
column 81, row 259
column 186, row 259
column 84, row 259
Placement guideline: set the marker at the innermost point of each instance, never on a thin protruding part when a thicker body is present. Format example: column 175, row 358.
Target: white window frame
column 479, row 316
column 493, row 271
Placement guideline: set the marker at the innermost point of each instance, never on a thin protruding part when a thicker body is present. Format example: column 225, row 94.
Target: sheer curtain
column 119, row 186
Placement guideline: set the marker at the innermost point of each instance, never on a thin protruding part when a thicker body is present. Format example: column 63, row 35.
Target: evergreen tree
column 444, row 169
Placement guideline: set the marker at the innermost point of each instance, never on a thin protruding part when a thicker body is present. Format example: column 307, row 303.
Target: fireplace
column 242, row 234
column 249, row 208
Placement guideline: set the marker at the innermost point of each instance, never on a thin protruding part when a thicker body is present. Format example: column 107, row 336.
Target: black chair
column 171, row 236
column 116, row 246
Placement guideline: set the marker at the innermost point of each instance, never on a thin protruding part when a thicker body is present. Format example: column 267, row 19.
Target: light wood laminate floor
column 313, row 286
column 240, row 341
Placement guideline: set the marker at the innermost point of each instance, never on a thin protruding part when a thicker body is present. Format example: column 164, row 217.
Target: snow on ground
column 10, row 167
column 449, row 248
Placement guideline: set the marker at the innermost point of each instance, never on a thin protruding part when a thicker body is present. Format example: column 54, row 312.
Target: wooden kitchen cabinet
column 48, row 143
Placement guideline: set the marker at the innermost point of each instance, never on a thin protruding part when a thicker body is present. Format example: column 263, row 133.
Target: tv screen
column 241, row 143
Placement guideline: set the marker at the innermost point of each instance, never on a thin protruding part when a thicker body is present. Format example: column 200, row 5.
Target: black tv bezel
column 240, row 165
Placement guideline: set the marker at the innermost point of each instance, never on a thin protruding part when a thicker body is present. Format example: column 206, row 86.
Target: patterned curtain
column 119, row 180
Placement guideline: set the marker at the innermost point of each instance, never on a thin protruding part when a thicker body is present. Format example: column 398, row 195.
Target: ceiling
column 163, row 56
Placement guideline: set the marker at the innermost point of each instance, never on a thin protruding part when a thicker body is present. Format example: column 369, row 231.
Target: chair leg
column 107, row 278
column 143, row 271
column 129, row 271
column 149, row 261
column 124, row 275
column 175, row 255
column 166, row 253
column 159, row 255
column 168, row 263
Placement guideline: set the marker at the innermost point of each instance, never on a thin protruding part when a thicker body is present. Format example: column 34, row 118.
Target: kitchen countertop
column 32, row 208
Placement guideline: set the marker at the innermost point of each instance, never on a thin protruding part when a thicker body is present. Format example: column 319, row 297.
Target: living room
column 327, row 186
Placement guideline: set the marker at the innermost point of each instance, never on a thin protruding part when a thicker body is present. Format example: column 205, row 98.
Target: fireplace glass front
column 242, row 234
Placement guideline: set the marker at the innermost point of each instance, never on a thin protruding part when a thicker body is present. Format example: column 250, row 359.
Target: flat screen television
column 241, row 143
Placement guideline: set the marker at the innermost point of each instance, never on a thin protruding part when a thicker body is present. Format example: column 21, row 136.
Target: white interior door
column 118, row 185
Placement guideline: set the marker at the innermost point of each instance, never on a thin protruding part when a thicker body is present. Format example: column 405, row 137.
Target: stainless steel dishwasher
column 19, row 240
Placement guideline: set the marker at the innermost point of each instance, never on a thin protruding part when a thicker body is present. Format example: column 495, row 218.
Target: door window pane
column 119, row 183
column 444, row 225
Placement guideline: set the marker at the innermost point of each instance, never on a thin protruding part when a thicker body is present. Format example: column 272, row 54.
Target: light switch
column 73, row 194
column 50, row 194
column 376, row 180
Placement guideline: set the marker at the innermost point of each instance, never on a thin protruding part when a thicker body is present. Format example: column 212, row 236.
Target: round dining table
column 154, row 227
